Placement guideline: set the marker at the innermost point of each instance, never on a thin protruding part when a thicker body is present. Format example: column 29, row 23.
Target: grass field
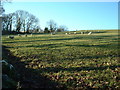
column 78, row 61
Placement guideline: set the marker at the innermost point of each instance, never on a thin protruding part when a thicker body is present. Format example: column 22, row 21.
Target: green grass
column 76, row 61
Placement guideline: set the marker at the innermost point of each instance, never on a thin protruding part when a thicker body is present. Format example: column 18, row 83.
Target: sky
column 66, row 0
column 74, row 15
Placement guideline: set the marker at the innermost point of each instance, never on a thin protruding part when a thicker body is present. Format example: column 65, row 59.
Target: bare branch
column 4, row 1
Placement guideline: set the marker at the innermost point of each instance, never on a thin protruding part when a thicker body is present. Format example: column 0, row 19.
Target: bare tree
column 19, row 20
column 61, row 28
column 25, row 21
column 52, row 26
column 31, row 23
column 7, row 22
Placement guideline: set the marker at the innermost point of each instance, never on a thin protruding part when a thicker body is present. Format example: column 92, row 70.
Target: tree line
column 20, row 21
column 25, row 22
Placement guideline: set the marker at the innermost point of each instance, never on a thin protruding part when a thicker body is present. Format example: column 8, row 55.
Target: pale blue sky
column 75, row 15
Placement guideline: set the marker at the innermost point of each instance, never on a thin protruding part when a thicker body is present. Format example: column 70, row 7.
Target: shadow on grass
column 58, row 69
column 40, row 46
column 37, row 46
column 66, row 38
column 25, row 41
column 112, row 46
column 100, row 46
column 93, row 57
column 29, row 78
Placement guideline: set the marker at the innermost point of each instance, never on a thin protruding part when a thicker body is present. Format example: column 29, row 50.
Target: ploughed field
column 76, row 61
